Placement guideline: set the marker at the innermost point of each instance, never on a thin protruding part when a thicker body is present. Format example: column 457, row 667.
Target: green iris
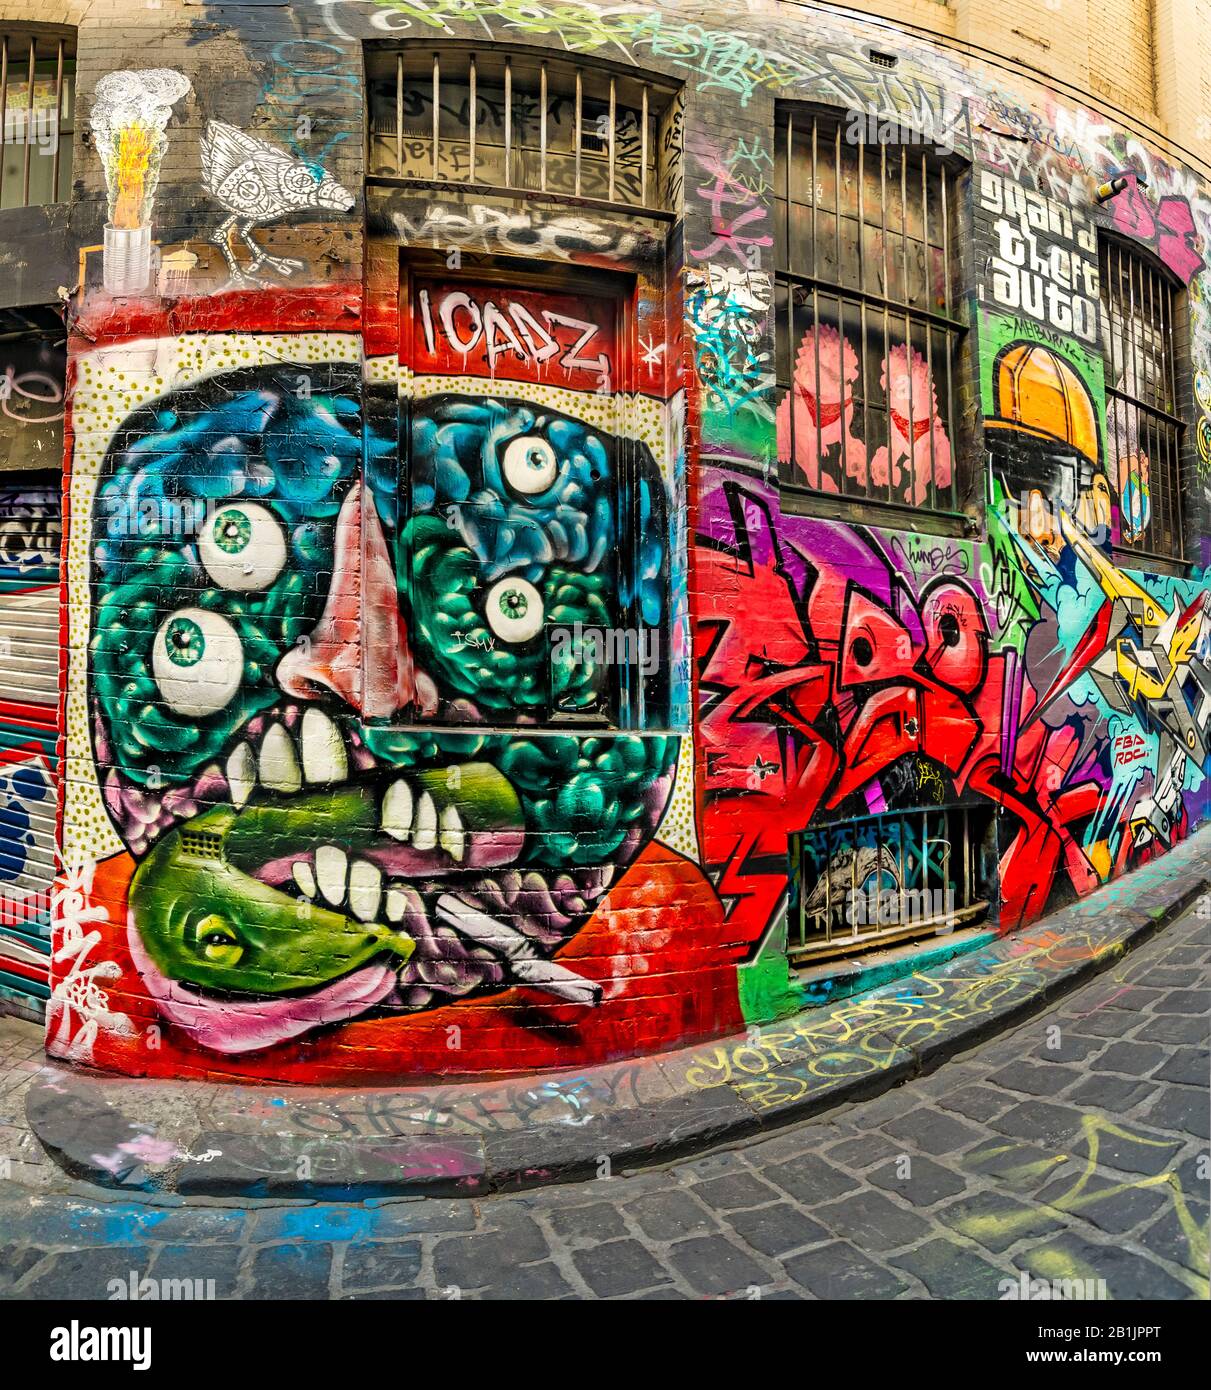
column 184, row 642
column 513, row 603
column 232, row 531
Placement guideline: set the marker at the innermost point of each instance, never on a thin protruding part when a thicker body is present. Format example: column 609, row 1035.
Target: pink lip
column 236, row 1026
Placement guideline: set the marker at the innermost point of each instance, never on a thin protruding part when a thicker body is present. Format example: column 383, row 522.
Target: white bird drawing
column 257, row 182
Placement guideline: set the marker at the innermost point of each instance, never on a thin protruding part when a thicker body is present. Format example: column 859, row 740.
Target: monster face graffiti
column 292, row 708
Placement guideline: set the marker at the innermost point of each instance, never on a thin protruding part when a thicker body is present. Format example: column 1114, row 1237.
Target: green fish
column 205, row 921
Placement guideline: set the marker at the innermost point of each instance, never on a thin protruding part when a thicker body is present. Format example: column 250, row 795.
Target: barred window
column 37, row 111
column 516, row 122
column 1143, row 431
column 885, row 878
column 868, row 321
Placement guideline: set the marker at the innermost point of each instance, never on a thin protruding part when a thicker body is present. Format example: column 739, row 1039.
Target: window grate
column 868, row 323
column 512, row 123
column 881, row 879
column 37, row 110
column 1143, row 430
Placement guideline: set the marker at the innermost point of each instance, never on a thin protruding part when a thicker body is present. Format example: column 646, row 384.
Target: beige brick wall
column 1149, row 58
column 1122, row 52
column 43, row 12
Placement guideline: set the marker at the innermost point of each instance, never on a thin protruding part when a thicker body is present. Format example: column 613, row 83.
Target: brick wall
column 333, row 806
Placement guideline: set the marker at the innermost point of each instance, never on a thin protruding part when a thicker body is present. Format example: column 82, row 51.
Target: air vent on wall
column 882, row 60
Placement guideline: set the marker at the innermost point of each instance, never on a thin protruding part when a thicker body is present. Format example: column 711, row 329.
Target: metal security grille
column 1143, row 431
column 884, row 878
column 37, row 109
column 868, row 322
column 503, row 122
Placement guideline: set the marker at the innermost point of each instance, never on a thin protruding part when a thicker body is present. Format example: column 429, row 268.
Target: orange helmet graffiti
column 1037, row 393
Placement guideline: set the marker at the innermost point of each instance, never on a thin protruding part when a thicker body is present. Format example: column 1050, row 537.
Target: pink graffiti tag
column 728, row 191
column 1169, row 228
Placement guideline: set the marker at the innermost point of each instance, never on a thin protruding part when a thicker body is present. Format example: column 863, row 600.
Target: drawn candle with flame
column 129, row 117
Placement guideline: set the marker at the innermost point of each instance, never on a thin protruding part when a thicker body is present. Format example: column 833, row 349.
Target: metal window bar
column 643, row 148
column 613, row 142
column 399, row 110
column 54, row 178
column 13, row 61
column 609, row 174
column 437, row 97
column 856, row 298
column 3, row 105
column 508, row 123
column 844, row 463
column 925, row 298
column 894, row 876
column 815, row 288
column 542, row 139
column 885, row 291
column 576, row 130
column 789, row 290
column 29, row 119
column 863, row 352
column 1142, row 395
column 472, row 114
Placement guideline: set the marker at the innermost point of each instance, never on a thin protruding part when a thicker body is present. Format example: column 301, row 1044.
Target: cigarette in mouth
column 525, row 964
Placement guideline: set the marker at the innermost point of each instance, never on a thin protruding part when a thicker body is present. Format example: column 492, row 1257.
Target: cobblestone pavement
column 1073, row 1146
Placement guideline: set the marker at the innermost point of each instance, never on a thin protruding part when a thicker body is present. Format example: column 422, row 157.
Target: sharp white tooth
column 331, row 871
column 241, row 775
column 304, row 877
column 397, row 810
column 425, row 834
column 279, row 768
column 396, row 902
column 365, row 889
column 453, row 836
column 323, row 748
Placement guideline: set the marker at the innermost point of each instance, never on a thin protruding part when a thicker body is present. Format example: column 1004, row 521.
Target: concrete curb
column 470, row 1139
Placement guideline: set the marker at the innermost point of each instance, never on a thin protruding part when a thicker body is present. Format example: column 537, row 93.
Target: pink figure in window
column 918, row 445
column 825, row 418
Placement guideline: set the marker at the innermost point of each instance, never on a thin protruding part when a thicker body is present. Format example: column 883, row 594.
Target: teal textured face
column 221, row 508
column 295, row 668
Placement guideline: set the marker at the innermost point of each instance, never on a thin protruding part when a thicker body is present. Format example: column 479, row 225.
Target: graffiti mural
column 32, row 373
column 30, row 538
column 317, row 822
column 553, row 550
column 130, row 116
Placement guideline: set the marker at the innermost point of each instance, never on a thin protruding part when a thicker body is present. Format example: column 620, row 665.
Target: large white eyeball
column 530, row 465
column 198, row 662
column 243, row 546
column 514, row 610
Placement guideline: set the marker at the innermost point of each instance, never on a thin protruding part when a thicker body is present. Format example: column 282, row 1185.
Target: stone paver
column 1072, row 1146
